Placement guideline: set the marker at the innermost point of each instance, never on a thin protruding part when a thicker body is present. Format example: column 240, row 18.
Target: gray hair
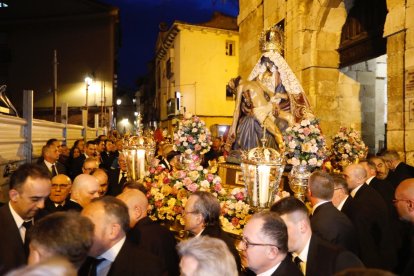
column 208, row 206
column 321, row 185
column 212, row 255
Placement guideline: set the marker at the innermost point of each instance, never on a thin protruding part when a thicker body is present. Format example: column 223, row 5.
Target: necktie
column 123, row 178
column 94, row 264
column 27, row 225
column 54, row 170
column 298, row 262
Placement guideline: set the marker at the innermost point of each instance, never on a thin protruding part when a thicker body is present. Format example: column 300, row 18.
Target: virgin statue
column 271, row 99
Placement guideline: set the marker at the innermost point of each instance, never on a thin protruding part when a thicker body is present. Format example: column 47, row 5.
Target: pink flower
column 217, row 187
column 158, row 203
column 192, row 166
column 209, row 177
column 235, row 221
column 166, row 180
column 239, row 196
column 190, row 139
column 192, row 187
column 152, row 170
column 197, row 147
column 306, row 131
column 187, row 181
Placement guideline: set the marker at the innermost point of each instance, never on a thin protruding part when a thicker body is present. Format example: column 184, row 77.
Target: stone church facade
column 355, row 60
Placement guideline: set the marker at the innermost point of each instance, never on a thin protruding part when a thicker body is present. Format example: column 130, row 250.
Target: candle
column 132, row 157
column 264, row 180
column 141, row 163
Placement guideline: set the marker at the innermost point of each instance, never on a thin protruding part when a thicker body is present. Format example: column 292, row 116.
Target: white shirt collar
column 340, row 205
column 49, row 165
column 270, row 271
column 369, row 180
column 355, row 190
column 303, row 255
column 17, row 218
column 112, row 252
column 318, row 204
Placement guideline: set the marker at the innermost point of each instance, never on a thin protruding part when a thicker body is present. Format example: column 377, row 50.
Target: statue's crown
column 272, row 40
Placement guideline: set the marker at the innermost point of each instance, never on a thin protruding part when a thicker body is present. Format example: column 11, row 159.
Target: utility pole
column 55, row 64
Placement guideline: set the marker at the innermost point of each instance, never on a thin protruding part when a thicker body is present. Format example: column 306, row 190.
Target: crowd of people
column 75, row 213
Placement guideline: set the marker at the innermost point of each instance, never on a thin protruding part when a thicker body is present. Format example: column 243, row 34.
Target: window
column 230, row 48
column 3, row 4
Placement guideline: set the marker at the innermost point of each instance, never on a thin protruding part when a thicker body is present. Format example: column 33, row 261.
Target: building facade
column 354, row 58
column 194, row 63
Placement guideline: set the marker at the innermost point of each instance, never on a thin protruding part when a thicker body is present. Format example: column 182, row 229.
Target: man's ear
column 411, row 206
column 13, row 194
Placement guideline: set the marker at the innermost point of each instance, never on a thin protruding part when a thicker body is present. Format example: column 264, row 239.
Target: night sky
column 140, row 19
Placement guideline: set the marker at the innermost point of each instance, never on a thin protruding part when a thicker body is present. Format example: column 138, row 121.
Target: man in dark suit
column 312, row 254
column 50, row 154
column 327, row 221
column 116, row 254
column 85, row 188
column 372, row 221
column 201, row 218
column 61, row 186
column 399, row 170
column 29, row 188
column 117, row 177
column 404, row 203
column 108, row 155
column 77, row 163
column 341, row 198
column 206, row 256
column 265, row 243
column 149, row 235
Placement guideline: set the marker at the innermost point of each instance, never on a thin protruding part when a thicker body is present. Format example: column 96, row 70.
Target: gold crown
column 272, row 40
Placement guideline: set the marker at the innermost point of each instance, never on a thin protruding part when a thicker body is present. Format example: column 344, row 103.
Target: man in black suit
column 206, row 256
column 312, row 254
column 404, row 203
column 149, row 235
column 327, row 221
column 372, row 221
column 61, row 186
column 202, row 218
column 116, row 254
column 265, row 243
column 108, row 155
column 341, row 198
column 85, row 188
column 77, row 163
column 50, row 154
column 117, row 177
column 399, row 170
column 29, row 188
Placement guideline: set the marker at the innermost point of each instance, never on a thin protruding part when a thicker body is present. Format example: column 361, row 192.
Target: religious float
column 273, row 128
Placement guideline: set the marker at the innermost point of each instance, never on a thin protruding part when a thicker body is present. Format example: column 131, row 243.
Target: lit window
column 3, row 4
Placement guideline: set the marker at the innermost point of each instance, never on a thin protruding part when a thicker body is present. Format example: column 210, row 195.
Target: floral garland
column 192, row 136
column 305, row 144
column 347, row 147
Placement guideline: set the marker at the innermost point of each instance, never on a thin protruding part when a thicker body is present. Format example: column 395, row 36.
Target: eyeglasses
column 190, row 212
column 245, row 243
column 60, row 186
column 404, row 200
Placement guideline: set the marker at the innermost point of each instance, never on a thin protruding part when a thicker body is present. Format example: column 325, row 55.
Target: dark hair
column 274, row 228
column 136, row 186
column 208, row 206
column 51, row 141
column 370, row 163
column 115, row 208
column 75, row 145
column 289, row 205
column 90, row 142
column 321, row 185
column 19, row 177
column 66, row 234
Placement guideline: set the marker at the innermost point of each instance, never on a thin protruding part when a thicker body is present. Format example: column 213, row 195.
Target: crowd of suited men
column 76, row 214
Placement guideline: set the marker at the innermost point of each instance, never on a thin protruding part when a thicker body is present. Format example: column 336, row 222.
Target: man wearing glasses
column 404, row 203
column 61, row 186
column 265, row 243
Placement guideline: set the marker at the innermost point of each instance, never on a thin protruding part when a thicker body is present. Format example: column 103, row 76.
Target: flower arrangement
column 192, row 136
column 305, row 144
column 235, row 212
column 347, row 147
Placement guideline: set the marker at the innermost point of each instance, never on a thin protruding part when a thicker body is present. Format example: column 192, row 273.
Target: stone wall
column 312, row 37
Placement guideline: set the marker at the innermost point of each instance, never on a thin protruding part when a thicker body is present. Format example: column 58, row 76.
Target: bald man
column 147, row 234
column 102, row 177
column 372, row 221
column 61, row 186
column 85, row 188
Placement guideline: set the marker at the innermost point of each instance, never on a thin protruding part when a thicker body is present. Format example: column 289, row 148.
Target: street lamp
column 88, row 82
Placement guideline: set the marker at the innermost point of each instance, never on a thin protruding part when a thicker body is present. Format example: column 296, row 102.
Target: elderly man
column 117, row 177
column 341, row 198
column 64, row 234
column 50, row 154
column 89, row 165
column 201, row 218
column 29, row 188
column 85, row 188
column 77, row 163
column 102, row 177
column 327, row 221
column 404, row 203
column 313, row 255
column 199, row 256
column 61, row 186
column 147, row 234
column 372, row 221
column 115, row 255
column 265, row 242
column 399, row 170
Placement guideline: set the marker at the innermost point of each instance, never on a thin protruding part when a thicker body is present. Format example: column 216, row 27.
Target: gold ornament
column 272, row 39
